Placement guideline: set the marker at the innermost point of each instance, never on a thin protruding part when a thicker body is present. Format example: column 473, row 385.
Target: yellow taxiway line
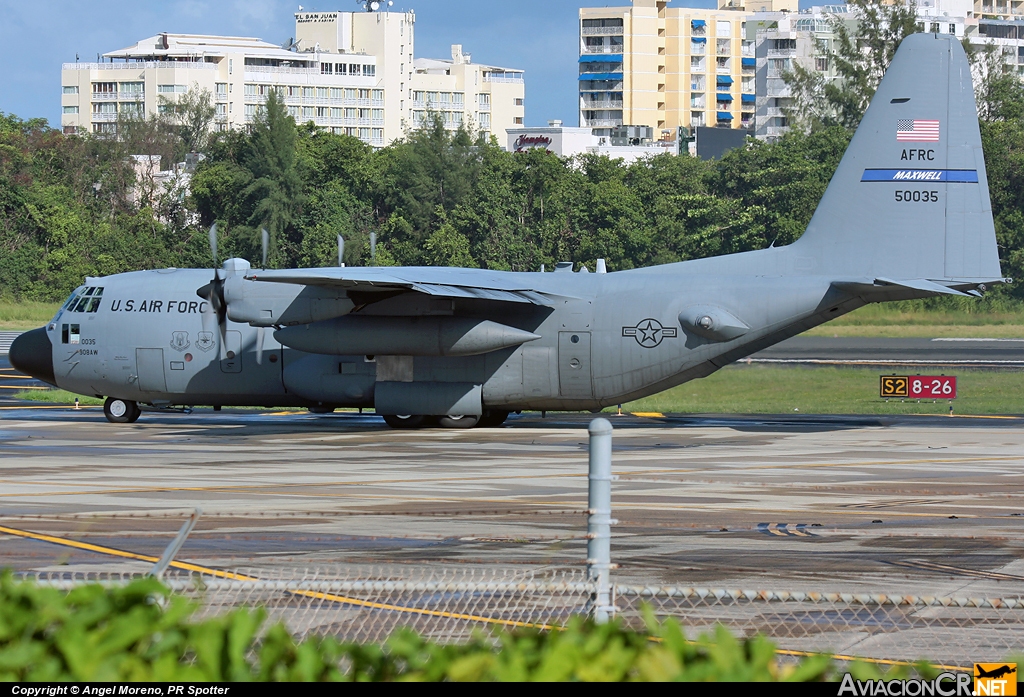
column 111, row 551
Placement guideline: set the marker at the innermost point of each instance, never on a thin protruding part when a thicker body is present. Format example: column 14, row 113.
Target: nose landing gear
column 121, row 411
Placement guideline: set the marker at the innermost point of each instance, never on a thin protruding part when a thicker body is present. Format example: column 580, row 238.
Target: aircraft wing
column 478, row 284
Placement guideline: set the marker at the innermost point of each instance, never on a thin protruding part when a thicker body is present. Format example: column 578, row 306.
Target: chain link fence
column 450, row 604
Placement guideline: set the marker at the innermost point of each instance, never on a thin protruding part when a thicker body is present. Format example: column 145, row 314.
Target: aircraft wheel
column 458, row 421
column 404, row 420
column 493, row 418
column 121, row 411
column 322, row 409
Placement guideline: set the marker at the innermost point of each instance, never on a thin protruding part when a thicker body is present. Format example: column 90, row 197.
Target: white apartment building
column 487, row 98
column 350, row 72
column 786, row 39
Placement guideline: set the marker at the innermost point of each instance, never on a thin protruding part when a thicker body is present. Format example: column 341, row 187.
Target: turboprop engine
column 403, row 336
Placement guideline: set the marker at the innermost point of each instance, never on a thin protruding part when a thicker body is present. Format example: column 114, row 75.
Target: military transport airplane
column 907, row 215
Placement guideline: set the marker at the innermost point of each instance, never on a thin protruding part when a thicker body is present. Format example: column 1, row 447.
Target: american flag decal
column 917, row 131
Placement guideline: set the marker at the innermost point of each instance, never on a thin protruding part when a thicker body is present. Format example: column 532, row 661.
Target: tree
column 861, row 56
column 275, row 191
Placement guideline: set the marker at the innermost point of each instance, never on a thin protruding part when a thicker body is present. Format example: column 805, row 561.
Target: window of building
column 778, row 66
column 723, row 28
column 104, row 88
column 221, row 89
column 520, row 101
column 485, row 122
column 172, row 89
column 364, row 94
column 327, row 68
column 418, row 96
column 104, row 108
column 221, row 109
column 608, row 22
column 309, row 93
column 378, row 95
column 697, row 83
column 249, row 90
column 696, row 118
column 104, row 128
column 935, row 28
column 697, row 64
column 697, row 48
column 70, row 110
column 70, row 89
column 697, row 101
column 364, row 114
column 519, row 120
column 341, row 68
column 952, row 29
column 784, row 44
column 250, row 110
column 748, row 84
column 722, row 63
column 323, row 93
column 364, row 133
column 351, row 113
column 821, row 64
column 132, row 108
column 378, row 135
column 369, row 70
column 724, row 47
column 378, row 114
column 485, row 99
column 70, row 130
column 354, row 69
column 308, row 112
column 138, row 88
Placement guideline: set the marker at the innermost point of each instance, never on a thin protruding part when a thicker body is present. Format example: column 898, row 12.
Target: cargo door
column 574, row 370
column 150, row 364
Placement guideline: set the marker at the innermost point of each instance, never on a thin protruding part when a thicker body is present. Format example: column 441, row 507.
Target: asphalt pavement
column 981, row 353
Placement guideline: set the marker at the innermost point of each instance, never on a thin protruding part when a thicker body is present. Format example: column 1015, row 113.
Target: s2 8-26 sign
column 917, row 386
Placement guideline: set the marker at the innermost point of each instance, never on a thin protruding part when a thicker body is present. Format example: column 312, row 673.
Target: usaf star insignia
column 649, row 332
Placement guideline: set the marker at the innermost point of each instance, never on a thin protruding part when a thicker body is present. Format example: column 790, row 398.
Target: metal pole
column 599, row 518
column 172, row 549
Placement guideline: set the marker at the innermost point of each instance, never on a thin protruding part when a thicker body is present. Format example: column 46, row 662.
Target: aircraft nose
column 32, row 354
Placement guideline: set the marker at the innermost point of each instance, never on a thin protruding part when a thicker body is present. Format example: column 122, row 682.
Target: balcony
column 104, row 117
column 600, row 50
column 131, row 96
column 774, row 111
column 601, row 123
column 104, row 96
column 781, row 52
column 505, row 79
column 602, row 103
column 140, row 65
column 601, row 31
column 776, row 130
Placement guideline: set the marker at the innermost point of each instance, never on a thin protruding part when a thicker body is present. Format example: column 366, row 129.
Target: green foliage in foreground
column 140, row 632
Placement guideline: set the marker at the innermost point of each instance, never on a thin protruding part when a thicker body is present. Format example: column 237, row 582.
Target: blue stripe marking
column 955, row 176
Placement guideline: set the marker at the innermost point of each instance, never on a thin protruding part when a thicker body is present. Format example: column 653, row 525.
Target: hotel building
column 350, row 72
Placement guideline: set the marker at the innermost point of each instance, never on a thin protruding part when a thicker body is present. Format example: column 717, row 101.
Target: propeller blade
column 266, row 244
column 213, row 244
column 341, row 250
column 260, row 333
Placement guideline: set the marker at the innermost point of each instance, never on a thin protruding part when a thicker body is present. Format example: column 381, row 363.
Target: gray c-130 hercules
column 907, row 215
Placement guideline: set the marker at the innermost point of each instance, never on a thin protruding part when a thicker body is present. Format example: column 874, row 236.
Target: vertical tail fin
column 910, row 197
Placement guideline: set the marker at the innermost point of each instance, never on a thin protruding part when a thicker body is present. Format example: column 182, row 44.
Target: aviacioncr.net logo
column 945, row 685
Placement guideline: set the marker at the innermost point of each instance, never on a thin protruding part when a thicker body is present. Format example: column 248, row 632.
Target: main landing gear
column 121, row 411
column 491, row 418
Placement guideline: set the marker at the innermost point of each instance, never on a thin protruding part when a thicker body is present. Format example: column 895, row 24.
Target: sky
column 538, row 36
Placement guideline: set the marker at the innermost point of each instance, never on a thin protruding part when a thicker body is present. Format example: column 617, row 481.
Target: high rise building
column 652, row 65
column 350, row 72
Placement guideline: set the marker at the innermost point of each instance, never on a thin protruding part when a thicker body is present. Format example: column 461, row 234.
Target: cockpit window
column 89, row 301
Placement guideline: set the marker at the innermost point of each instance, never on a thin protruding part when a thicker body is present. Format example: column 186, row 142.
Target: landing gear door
column 574, row 370
column 232, row 361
